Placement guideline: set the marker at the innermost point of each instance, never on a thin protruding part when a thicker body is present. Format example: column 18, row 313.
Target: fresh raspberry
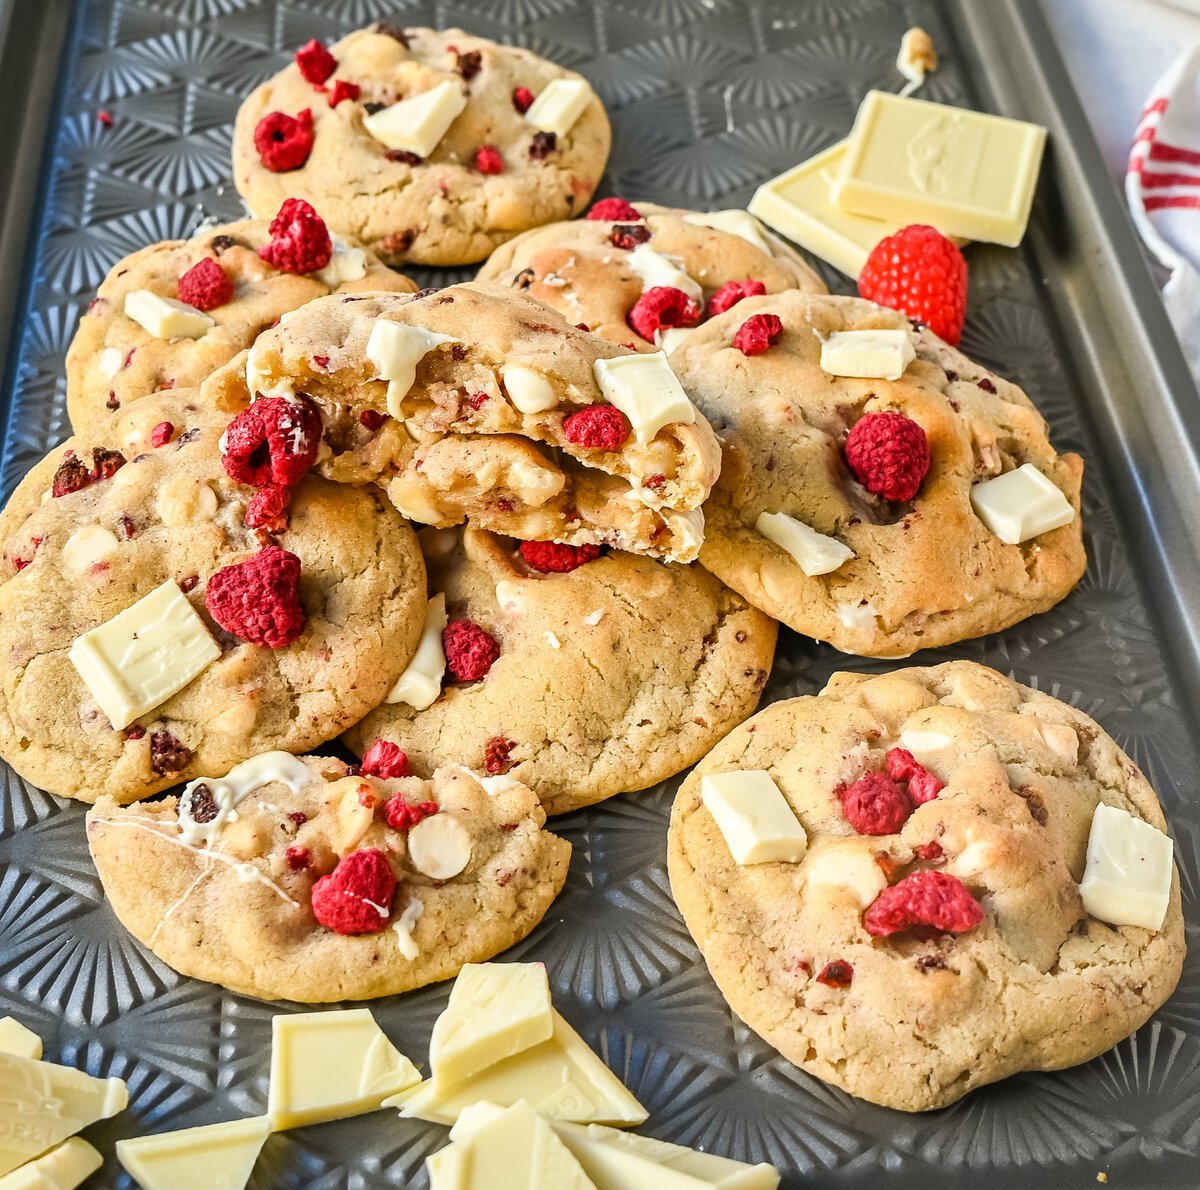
column 275, row 440
column 838, row 974
column 551, row 557
column 923, row 786
column 316, row 62
column 889, row 455
column 284, row 142
column 470, row 650
column 268, row 508
column 403, row 816
column 298, row 858
column 343, row 89
column 522, row 99
column 600, row 427
column 876, row 805
column 920, row 272
column 496, row 755
column 757, row 333
column 628, row 236
column 934, row 899
column 72, row 475
column 205, row 285
column 356, row 897
column 488, row 160
column 167, row 754
column 259, row 600
column 663, row 306
column 732, row 292
column 385, row 760
column 615, row 209
column 162, row 434
column 542, row 145
column 299, row 241
column 372, row 419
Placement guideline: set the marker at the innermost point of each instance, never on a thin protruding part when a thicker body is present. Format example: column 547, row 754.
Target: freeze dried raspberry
column 298, row 858
column 470, row 650
column 934, row 899
column 488, row 160
column 876, row 805
column 757, row 333
column 838, row 974
column 923, row 786
column 385, row 760
column 259, row 600
column 205, row 285
column 284, row 142
column 469, row 64
column 356, row 897
column 299, row 241
column 268, row 508
column 551, row 557
column 316, row 62
column 929, row 851
column 522, row 99
column 600, row 427
column 663, row 306
column 889, row 455
column 403, row 816
column 542, row 145
column 105, row 117
column 201, row 805
column 732, row 292
column 343, row 90
column 984, row 383
column 495, row 755
column 372, row 418
column 71, row 476
column 615, row 209
column 275, row 440
column 162, row 434
column 628, row 236
column 403, row 157
column 105, row 464
column 167, row 754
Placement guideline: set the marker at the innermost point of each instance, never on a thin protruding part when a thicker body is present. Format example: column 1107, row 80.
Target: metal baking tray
column 708, row 98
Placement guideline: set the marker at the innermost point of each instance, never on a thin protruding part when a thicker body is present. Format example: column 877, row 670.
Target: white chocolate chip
column 553, row 640
column 421, row 683
column 528, row 390
column 593, row 618
column 657, row 270
column 922, row 743
column 110, row 362
column 352, row 818
column 815, row 553
column 346, row 264
column 857, row 618
column 185, row 501
column 508, row 595
column 87, row 546
column 439, row 846
column 1061, row 740
column 404, row 926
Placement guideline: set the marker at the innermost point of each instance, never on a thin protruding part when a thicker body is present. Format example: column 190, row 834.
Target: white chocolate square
column 815, row 553
column 734, row 223
column 1127, row 877
column 210, row 1156
column 16, row 1039
column 63, row 1167
column 758, row 824
column 421, row 683
column 417, row 124
column 395, row 348
column 644, row 388
column 874, row 355
column 657, row 270
column 559, row 105
column 164, row 317
column 1021, row 504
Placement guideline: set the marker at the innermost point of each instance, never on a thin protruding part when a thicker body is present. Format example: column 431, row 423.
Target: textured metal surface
column 708, row 97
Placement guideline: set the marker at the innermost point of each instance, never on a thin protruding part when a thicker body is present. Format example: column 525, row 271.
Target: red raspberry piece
column 372, row 418
column 496, row 755
column 268, row 508
column 356, row 897
column 929, row 851
column 732, row 292
column 757, row 333
column 167, row 754
column 72, row 475
column 105, row 117
column 343, row 89
column 923, row 786
column 403, row 816
column 542, row 145
column 934, row 899
column 470, row 650
column 889, row 455
column 299, row 241
column 259, row 600
column 316, row 62
column 522, row 99
column 284, row 142
column 105, row 463
column 162, row 434
column 662, row 306
column 615, row 209
column 876, row 805
column 205, row 285
column 298, row 858
column 838, row 974
column 488, row 160
column 628, row 236
column 275, row 440
column 600, row 427
column 551, row 557
column 921, row 273
column 385, row 760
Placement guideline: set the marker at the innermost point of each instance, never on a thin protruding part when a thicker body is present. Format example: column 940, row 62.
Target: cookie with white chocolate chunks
column 295, row 879
column 601, row 270
column 929, row 933
column 562, row 668
column 237, row 292
column 432, row 146
column 149, row 632
column 860, row 510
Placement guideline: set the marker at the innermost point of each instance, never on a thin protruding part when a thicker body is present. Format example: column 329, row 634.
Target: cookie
column 815, row 956
column 597, row 271
column 588, row 686
column 312, row 620
column 112, row 359
column 898, row 568
column 493, row 414
column 422, row 142
column 328, row 886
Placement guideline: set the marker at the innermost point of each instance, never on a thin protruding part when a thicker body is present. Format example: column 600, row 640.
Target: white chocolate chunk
column 63, row 1168
column 1062, row 740
column 657, row 270
column 166, row 318
column 1021, row 504
column 144, row 655
column 227, row 792
column 395, row 348
column 88, row 545
column 815, row 553
column 16, row 1039
column 508, row 595
column 417, row 124
column 667, row 338
column 404, row 925
column 758, row 824
column 211, row 1157
column 439, row 846
column 688, row 530
column 559, row 105
column 736, row 223
column 421, row 683
column 644, row 388
column 329, row 1065
column 921, row 743
column 858, row 617
column 475, row 1117
column 878, row 355
column 845, row 864
column 495, row 1010
column 1127, row 877
column 528, row 390
column 916, row 58
column 110, row 362
column 346, row 264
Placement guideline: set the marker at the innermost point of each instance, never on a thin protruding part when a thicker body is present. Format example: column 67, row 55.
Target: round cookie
column 916, row 1018
column 586, row 269
column 112, row 359
column 262, row 903
column 453, row 206
column 925, row 572
column 610, row 677
column 144, row 514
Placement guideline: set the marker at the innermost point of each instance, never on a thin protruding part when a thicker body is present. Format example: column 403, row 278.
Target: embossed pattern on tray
column 708, row 98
